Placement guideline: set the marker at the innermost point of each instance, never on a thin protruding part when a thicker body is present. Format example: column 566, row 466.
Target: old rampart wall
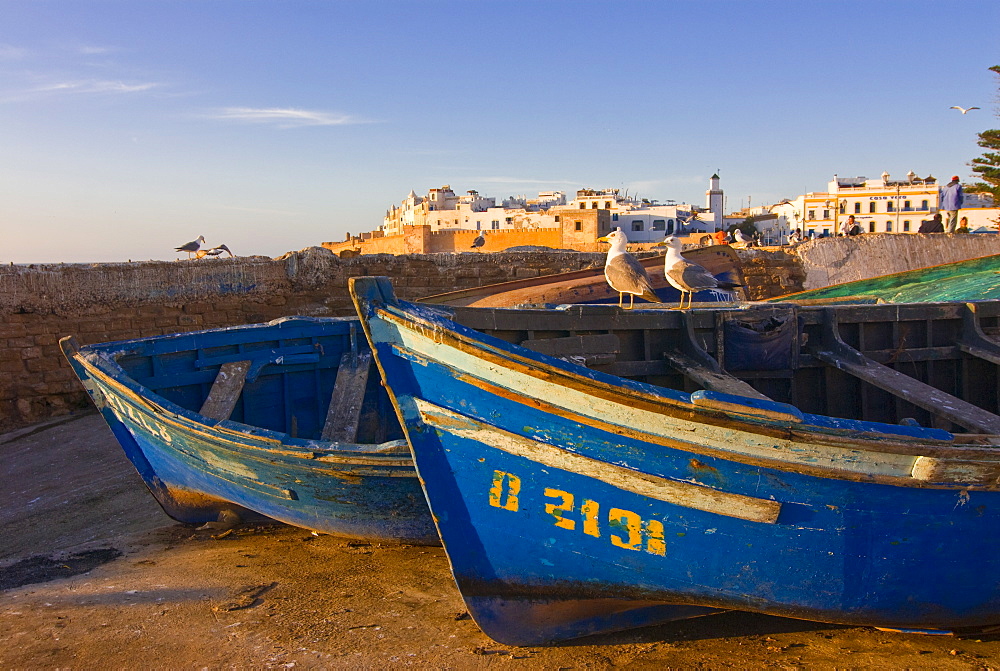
column 578, row 231
column 39, row 304
column 838, row 260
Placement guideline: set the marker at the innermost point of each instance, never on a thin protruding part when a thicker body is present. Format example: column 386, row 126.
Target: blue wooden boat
column 592, row 469
column 278, row 419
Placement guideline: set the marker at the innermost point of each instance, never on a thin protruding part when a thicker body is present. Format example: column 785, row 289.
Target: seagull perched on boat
column 479, row 241
column 688, row 276
column 624, row 273
column 739, row 237
column 191, row 247
column 214, row 251
column 962, row 109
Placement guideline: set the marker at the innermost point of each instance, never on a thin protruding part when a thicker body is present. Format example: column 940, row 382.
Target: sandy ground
column 93, row 575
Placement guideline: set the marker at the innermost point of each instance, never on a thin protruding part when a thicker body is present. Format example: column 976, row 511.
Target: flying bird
column 688, row 276
column 191, row 247
column 624, row 273
column 962, row 109
column 214, row 251
column 479, row 241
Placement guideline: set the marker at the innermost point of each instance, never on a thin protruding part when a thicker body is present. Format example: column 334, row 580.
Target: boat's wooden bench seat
column 691, row 359
column 711, row 378
column 344, row 413
column 835, row 352
column 225, row 390
column 235, row 370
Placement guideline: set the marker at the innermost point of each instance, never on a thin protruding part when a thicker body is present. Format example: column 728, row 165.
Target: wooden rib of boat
column 970, row 280
column 279, row 419
column 589, row 285
column 591, row 469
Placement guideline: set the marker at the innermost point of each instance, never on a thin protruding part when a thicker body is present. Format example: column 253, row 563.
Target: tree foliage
column 748, row 227
column 987, row 166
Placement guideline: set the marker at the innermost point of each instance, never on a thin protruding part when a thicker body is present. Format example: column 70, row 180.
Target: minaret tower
column 713, row 200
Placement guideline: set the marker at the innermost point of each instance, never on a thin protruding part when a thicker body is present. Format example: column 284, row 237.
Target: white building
column 442, row 209
column 882, row 205
column 644, row 220
column 641, row 219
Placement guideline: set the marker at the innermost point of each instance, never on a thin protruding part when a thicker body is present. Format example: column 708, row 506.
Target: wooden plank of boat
column 226, row 390
column 839, row 354
column 691, row 359
column 348, row 393
column 587, row 350
column 685, row 494
column 919, row 394
column 974, row 341
column 711, row 379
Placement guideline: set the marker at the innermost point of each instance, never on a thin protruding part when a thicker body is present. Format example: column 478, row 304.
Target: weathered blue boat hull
column 573, row 502
column 197, row 467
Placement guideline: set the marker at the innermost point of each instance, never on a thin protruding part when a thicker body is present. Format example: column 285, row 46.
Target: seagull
column 687, row 276
column 739, row 237
column 962, row 109
column 623, row 273
column 214, row 251
column 191, row 247
column 479, row 241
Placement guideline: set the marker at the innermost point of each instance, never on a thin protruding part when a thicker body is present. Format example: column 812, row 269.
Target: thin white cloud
column 95, row 51
column 284, row 117
column 75, row 88
column 94, row 86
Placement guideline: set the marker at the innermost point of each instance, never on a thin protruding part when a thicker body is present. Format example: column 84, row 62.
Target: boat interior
column 308, row 378
column 922, row 364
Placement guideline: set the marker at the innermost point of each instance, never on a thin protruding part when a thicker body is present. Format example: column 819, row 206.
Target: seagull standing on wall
column 191, row 247
column 624, row 273
column 962, row 109
column 479, row 241
column 688, row 276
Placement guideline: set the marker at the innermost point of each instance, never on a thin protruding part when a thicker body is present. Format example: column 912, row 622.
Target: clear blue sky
column 130, row 127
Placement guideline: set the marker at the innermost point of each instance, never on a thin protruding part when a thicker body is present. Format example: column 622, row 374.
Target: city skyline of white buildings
column 879, row 205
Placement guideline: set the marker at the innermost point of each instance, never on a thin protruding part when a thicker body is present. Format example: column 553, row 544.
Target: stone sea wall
column 838, row 260
column 39, row 304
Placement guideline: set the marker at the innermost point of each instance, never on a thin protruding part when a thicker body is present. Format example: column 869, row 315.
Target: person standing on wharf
column 951, row 203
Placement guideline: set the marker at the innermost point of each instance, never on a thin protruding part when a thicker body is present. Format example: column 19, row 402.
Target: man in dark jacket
column 951, row 203
column 932, row 225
